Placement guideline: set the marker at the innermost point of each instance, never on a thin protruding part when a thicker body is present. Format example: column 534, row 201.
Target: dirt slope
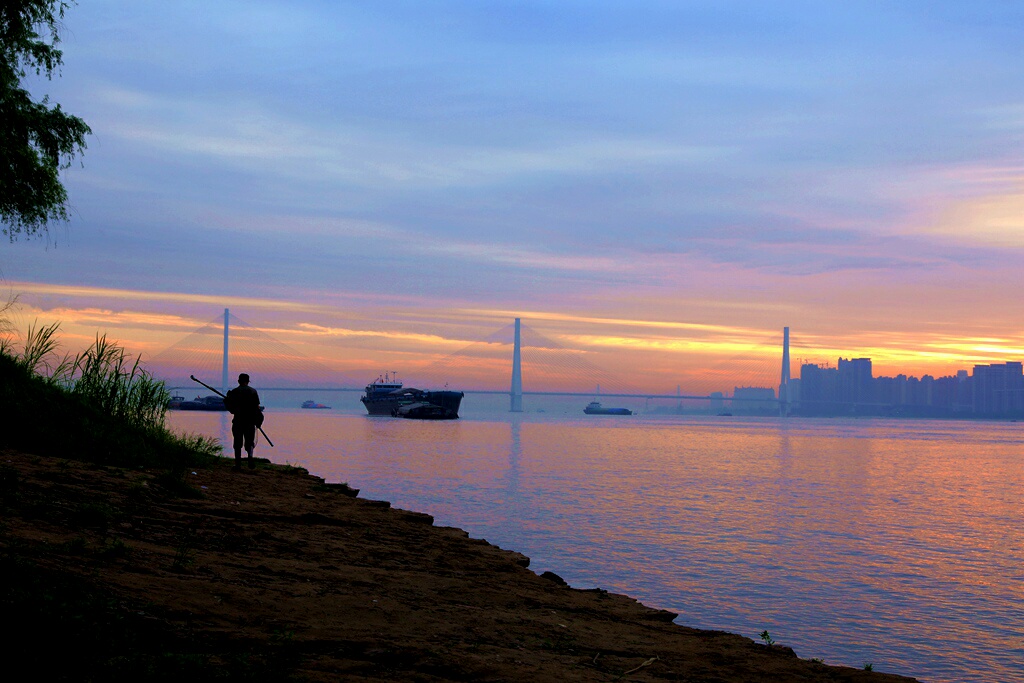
column 272, row 575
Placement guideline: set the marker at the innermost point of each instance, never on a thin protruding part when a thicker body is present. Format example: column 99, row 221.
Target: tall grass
column 104, row 375
column 39, row 354
column 109, row 405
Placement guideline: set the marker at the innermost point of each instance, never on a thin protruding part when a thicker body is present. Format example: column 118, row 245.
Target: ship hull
column 382, row 406
column 596, row 408
column 394, row 405
column 210, row 403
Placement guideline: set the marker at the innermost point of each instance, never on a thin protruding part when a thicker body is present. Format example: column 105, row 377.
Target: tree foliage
column 37, row 139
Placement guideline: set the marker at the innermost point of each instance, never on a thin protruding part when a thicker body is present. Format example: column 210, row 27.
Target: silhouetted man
column 244, row 403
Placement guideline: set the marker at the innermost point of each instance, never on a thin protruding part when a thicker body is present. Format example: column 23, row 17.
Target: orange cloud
column 175, row 297
column 649, row 352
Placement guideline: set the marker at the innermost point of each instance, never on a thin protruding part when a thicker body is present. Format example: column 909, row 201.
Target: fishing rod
column 194, row 379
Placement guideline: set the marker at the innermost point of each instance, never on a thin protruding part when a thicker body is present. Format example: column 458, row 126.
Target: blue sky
column 853, row 170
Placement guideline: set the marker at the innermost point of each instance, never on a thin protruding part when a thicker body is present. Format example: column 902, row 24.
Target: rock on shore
column 274, row 575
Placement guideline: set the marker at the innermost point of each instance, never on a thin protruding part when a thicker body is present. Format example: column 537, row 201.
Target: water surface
column 895, row 543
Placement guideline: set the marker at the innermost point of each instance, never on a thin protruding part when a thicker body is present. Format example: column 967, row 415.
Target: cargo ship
column 595, row 409
column 388, row 396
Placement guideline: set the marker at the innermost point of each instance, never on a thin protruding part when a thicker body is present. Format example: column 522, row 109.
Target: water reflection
column 853, row 541
column 513, row 500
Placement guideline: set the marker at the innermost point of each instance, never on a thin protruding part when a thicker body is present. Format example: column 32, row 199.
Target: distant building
column 962, row 402
column 855, row 382
column 997, row 390
column 818, row 389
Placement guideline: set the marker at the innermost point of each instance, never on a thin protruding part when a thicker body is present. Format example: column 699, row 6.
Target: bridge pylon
column 516, row 392
column 784, row 398
column 224, row 382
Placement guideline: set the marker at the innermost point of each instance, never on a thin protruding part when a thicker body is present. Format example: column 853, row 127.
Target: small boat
column 594, row 408
column 313, row 405
column 175, row 402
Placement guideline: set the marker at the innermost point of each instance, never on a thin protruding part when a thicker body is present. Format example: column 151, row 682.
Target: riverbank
column 273, row 574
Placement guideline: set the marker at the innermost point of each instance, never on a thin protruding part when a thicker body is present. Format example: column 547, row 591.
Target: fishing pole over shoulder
column 258, row 426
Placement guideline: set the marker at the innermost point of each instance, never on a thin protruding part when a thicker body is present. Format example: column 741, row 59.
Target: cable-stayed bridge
column 515, row 356
column 228, row 345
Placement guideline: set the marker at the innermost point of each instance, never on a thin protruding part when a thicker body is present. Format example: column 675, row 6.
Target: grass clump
column 99, row 406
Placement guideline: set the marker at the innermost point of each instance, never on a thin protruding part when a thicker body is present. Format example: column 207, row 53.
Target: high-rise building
column 856, row 384
column 997, row 389
column 818, row 389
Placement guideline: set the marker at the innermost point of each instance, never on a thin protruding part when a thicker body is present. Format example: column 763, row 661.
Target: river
column 894, row 543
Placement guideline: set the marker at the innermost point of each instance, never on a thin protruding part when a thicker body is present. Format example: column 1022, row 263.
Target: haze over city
column 659, row 187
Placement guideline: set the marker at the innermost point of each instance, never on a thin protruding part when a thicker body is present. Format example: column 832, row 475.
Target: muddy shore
column 274, row 574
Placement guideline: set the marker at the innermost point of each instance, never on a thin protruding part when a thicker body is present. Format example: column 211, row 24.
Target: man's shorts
column 244, row 434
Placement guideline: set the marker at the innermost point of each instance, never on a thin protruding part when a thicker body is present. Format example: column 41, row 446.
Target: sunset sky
column 659, row 186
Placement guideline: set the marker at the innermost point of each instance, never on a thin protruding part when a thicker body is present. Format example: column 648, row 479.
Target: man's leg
column 250, row 444
column 236, row 432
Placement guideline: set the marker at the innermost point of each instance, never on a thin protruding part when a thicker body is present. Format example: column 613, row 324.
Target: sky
column 660, row 187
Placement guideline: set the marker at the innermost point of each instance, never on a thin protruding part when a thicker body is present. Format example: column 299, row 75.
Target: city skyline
column 485, row 364
column 660, row 187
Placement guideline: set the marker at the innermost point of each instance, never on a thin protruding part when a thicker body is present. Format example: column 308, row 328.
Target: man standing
column 244, row 403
